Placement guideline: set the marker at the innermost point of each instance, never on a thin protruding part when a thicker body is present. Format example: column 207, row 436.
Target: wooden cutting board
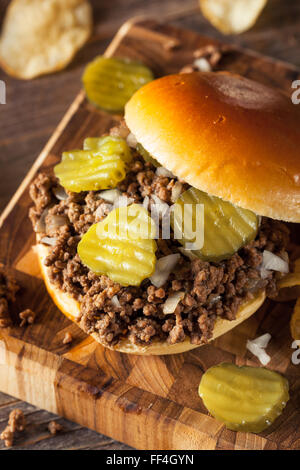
column 146, row 402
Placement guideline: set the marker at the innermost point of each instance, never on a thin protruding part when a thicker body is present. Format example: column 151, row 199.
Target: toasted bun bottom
column 71, row 309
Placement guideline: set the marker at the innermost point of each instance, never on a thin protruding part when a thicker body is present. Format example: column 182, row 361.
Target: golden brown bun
column 226, row 135
column 71, row 308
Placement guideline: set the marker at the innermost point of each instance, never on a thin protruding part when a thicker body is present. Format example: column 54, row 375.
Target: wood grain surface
column 124, row 383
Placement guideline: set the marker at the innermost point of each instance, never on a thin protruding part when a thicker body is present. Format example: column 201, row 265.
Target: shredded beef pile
column 211, row 289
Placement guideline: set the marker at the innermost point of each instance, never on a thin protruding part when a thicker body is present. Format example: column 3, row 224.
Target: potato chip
column 42, row 36
column 295, row 321
column 232, row 16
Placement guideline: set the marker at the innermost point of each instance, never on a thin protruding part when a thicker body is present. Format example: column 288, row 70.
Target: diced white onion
column 202, row 65
column 48, row 241
column 40, row 226
column 172, row 302
column 259, row 352
column 188, row 253
column 264, row 273
column 163, row 269
column 146, row 202
column 274, row 262
column 103, row 210
column 123, row 201
column 110, row 195
column 115, row 301
column 160, row 206
column 55, row 221
column 131, row 140
column 262, row 341
column 60, row 193
column 176, row 191
column 161, row 171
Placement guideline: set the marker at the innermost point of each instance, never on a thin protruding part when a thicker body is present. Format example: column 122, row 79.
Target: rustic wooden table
column 34, row 108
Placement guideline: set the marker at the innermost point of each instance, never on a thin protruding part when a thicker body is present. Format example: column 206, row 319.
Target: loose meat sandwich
column 217, row 140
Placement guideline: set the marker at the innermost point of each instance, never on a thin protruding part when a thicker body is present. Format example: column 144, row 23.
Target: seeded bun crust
column 71, row 309
column 226, row 135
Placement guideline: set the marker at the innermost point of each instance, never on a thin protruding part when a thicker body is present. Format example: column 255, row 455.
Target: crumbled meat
column 8, row 290
column 54, row 427
column 27, row 317
column 212, row 53
column 68, row 338
column 7, row 436
column 16, row 422
column 211, row 289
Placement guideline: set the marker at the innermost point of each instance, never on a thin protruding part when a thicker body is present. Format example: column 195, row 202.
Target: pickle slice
column 226, row 227
column 86, row 170
column 109, row 82
column 245, row 398
column 295, row 321
column 109, row 146
column 146, row 155
column 122, row 246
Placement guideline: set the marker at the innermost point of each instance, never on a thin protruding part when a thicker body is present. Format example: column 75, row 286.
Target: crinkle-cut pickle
column 110, row 82
column 245, row 398
column 85, row 170
column 226, row 227
column 118, row 248
column 109, row 145
column 101, row 165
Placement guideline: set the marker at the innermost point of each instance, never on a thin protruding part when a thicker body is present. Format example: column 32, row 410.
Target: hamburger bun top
column 226, row 135
column 71, row 309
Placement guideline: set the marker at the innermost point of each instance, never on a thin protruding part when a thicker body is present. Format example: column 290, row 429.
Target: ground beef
column 27, row 317
column 8, row 290
column 54, row 427
column 212, row 290
column 16, row 423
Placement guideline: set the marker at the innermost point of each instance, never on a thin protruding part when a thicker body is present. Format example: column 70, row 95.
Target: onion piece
column 60, row 193
column 131, row 140
column 55, row 221
column 274, row 262
column 110, row 195
column 40, row 226
column 188, row 253
column 103, row 210
column 262, row 341
column 163, row 269
column 49, row 241
column 161, row 171
column 160, row 206
column 172, row 302
column 123, row 201
column 259, row 352
column 264, row 273
column 176, row 191
column 202, row 65
column 115, row 301
column 146, row 202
